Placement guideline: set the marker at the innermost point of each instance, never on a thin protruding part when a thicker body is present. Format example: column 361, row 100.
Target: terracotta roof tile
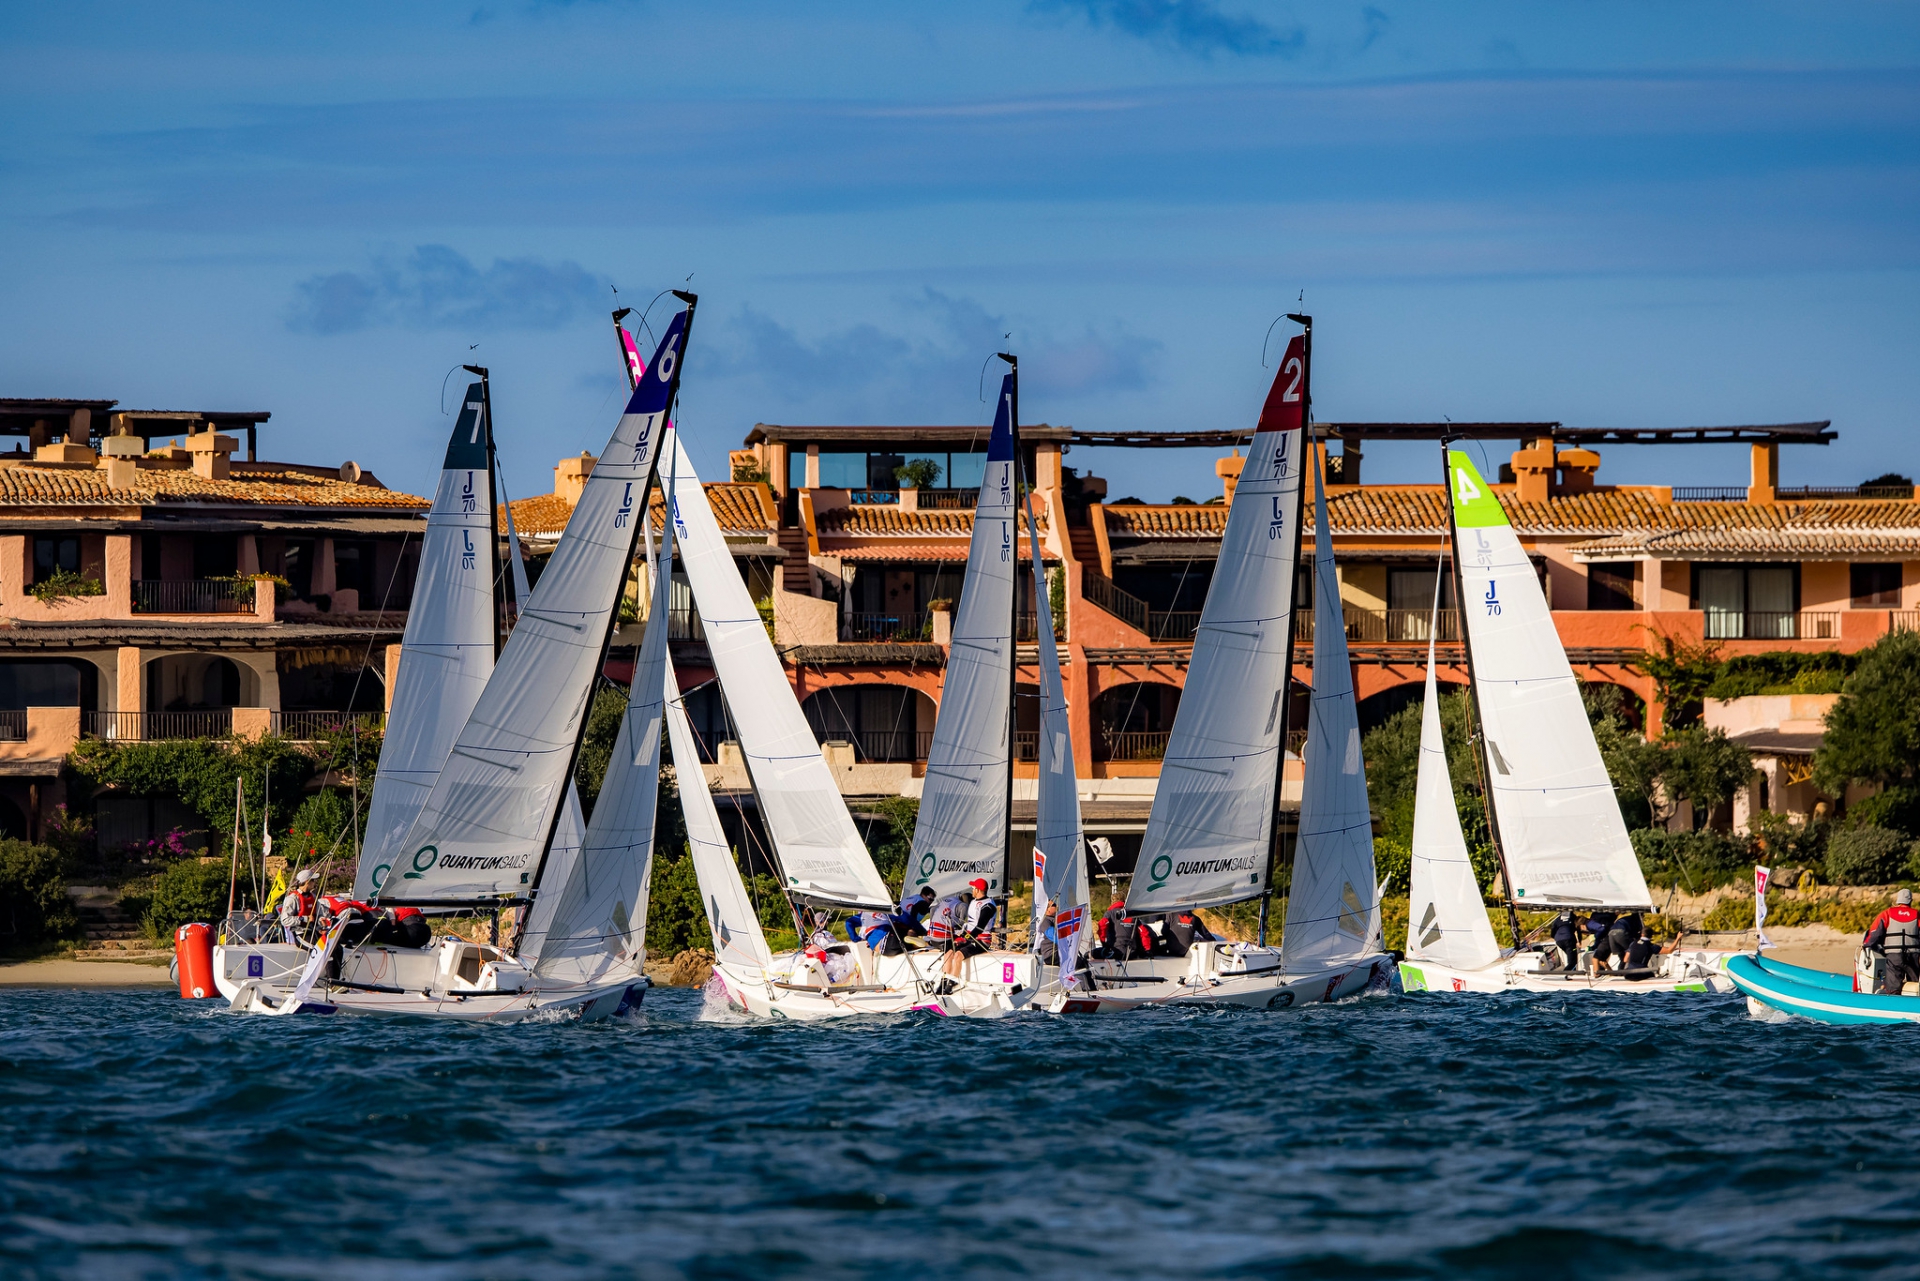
column 543, row 515
column 29, row 484
column 913, row 552
column 890, row 522
column 740, row 509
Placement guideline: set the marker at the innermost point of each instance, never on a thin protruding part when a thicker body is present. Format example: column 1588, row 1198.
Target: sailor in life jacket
column 296, row 907
column 972, row 936
column 1896, row 931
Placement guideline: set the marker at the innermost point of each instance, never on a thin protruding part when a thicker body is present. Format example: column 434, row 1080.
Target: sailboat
column 823, row 863
column 483, row 837
column 1552, row 814
column 1211, row 835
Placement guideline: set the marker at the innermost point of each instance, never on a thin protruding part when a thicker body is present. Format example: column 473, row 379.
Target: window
column 1610, row 586
column 796, row 469
column 1876, row 586
column 353, row 568
column 298, row 572
column 964, row 470
column 863, row 469
column 53, row 553
column 215, row 556
column 843, row 469
column 1753, row 602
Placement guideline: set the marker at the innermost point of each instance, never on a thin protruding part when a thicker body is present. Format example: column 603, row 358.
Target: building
column 154, row 583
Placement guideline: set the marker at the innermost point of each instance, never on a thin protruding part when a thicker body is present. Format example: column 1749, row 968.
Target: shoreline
column 64, row 972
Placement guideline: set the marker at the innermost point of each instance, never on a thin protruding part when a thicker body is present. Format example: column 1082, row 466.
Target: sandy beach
column 66, row 973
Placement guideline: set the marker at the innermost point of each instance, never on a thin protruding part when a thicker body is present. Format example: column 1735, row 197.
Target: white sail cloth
column 484, row 830
column 738, row 939
column 961, row 831
column 820, row 852
column 590, row 925
column 1209, row 832
column 1447, row 919
column 446, row 651
column 1059, row 843
column 1559, row 821
column 1330, row 904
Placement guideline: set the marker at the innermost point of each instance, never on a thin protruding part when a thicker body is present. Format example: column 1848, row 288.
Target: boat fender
column 193, row 953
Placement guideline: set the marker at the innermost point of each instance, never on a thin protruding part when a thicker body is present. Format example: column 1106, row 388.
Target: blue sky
column 1624, row 214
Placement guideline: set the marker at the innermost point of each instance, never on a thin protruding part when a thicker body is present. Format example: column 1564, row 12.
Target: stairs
column 107, row 925
column 795, row 574
column 1085, row 547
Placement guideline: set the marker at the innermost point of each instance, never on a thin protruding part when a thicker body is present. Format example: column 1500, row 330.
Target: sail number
column 1298, row 369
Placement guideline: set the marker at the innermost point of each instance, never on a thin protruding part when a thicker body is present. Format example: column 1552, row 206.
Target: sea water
column 1423, row 1136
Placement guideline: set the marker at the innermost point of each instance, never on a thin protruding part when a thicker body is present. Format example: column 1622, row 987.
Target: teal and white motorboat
column 1775, row 990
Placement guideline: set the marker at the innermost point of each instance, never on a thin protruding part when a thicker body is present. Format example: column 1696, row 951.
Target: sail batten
column 484, row 831
column 1559, row 823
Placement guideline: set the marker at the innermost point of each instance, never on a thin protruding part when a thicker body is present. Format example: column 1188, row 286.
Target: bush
column 887, row 827
column 1780, row 672
column 202, row 773
column 1897, row 808
column 1694, row 860
column 1873, row 728
column 1867, row 856
column 188, row 891
column 320, row 829
column 34, row 907
column 1393, row 863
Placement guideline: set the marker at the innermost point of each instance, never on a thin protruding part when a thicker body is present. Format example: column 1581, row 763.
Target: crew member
column 296, row 906
column 974, row 936
column 1046, row 945
column 1565, row 934
column 1600, row 924
column 1624, row 933
column 1896, row 932
column 1179, row 931
column 1640, row 954
column 1122, row 934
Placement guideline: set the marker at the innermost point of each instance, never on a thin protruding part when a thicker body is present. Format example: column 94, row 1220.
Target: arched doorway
column 883, row 722
column 1131, row 722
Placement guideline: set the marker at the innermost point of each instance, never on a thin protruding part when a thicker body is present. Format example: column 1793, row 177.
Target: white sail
column 1447, row 920
column 1059, row 845
column 485, row 829
column 820, row 853
column 590, row 925
column 446, row 651
column 1559, row 822
column 1330, row 903
column 737, row 936
column 1211, row 825
column 961, row 831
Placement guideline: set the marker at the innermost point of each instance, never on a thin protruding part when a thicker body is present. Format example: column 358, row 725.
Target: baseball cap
column 978, row 884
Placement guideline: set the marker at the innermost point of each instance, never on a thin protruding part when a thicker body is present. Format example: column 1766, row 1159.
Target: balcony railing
column 1906, row 620
column 134, row 726
column 1133, row 745
column 1773, row 625
column 900, row 626
column 684, row 624
column 13, row 726
column 192, row 596
column 949, row 499
column 1844, row 491
column 873, row 497
column 304, row 727
column 885, row 746
column 1375, row 626
column 1026, row 745
column 1709, row 493
column 1027, row 627
column 1158, row 624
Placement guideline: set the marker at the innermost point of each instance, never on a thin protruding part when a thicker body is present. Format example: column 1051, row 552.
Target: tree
column 1392, row 751
column 1703, row 766
column 1873, row 728
column 1682, row 672
column 920, row 473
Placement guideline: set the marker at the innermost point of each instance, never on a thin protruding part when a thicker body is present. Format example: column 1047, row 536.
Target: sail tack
column 1331, row 902
column 821, row 854
column 446, row 652
column 1209, row 831
column 961, row 832
column 484, row 830
column 1559, row 823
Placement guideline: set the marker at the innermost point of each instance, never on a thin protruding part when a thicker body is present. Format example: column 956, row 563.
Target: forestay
column 821, row 854
column 446, row 651
column 591, row 926
column 1209, row 831
column 485, row 828
column 1332, row 897
column 737, row 937
column 961, row 831
column 1447, row 921
column 1059, row 848
column 1559, row 823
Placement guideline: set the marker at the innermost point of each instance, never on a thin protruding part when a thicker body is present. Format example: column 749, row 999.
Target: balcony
column 305, row 727
column 891, row 746
column 1131, row 745
column 1158, row 624
column 1387, row 626
column 1773, row 625
column 949, row 499
column 899, row 627
column 13, row 726
column 127, row 727
column 193, row 596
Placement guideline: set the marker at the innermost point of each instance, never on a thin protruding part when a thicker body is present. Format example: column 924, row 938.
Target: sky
column 1630, row 214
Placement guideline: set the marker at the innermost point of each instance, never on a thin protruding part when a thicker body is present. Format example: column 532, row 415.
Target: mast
column 1013, row 650
column 1293, row 626
column 620, row 337
column 493, row 513
column 1473, row 704
column 613, row 616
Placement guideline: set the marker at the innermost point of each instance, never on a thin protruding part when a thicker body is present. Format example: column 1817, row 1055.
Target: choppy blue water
column 1427, row 1136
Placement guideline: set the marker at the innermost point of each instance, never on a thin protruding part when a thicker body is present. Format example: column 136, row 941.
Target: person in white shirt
column 974, row 936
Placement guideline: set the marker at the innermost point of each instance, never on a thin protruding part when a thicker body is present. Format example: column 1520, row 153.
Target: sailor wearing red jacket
column 1896, row 931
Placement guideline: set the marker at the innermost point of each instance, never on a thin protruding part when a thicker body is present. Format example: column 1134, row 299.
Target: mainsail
column 591, row 925
column 1447, row 922
column 961, row 832
column 820, row 853
column 447, row 648
column 1556, row 819
column 1330, row 903
column 737, row 936
column 1211, row 826
column 486, row 827
column 1059, row 846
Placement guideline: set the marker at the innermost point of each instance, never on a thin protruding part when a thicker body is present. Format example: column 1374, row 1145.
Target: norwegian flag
column 1068, row 923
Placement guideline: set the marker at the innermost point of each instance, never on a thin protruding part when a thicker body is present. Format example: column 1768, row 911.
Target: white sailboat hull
column 452, row 979
column 1221, row 974
column 792, row 987
column 1691, row 971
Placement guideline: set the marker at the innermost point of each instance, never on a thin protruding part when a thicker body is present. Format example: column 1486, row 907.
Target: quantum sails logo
column 1164, row 868
column 428, row 857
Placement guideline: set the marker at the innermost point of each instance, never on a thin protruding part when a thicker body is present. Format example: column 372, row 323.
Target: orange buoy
column 193, row 951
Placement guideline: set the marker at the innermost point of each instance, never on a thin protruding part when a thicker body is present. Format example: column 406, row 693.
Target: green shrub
column 1780, row 672
column 34, row 907
column 1695, row 861
column 1896, row 808
column 188, row 891
column 1393, row 863
column 202, row 773
column 1867, row 856
column 887, row 827
column 320, row 828
column 63, row 585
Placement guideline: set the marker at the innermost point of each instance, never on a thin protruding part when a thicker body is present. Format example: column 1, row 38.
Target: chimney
column 1766, row 472
column 1228, row 470
column 1533, row 469
column 570, row 476
column 1577, row 468
column 212, row 454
